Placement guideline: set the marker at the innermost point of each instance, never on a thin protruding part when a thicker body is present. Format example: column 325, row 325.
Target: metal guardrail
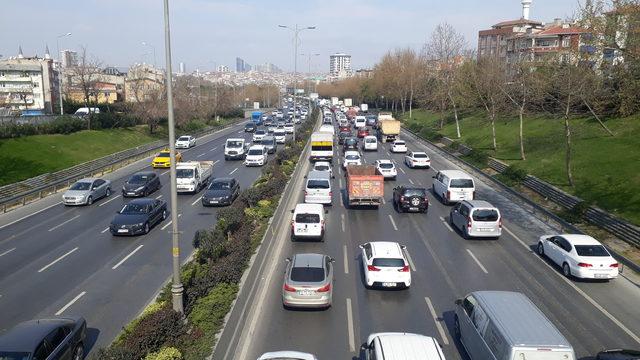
column 26, row 191
column 598, row 217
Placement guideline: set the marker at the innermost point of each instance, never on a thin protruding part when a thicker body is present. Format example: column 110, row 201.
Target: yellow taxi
column 162, row 160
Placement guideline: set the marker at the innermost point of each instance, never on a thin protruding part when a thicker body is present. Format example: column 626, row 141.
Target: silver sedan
column 86, row 191
column 308, row 281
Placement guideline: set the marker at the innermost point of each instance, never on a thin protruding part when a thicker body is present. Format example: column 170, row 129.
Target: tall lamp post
column 176, row 287
column 144, row 43
column 296, row 30
column 60, row 70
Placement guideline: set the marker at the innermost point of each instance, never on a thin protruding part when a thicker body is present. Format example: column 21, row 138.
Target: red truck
column 365, row 186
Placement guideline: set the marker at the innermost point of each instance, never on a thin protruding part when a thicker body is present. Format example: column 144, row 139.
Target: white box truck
column 334, row 101
column 348, row 102
column 364, row 107
column 193, row 176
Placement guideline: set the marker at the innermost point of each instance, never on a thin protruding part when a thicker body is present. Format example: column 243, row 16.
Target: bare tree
column 486, row 77
column 84, row 76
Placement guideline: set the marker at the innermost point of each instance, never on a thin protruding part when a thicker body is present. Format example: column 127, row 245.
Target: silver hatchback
column 308, row 281
column 476, row 218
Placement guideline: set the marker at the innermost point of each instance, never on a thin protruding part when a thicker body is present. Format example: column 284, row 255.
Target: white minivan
column 307, row 222
column 360, row 122
column 370, row 143
column 318, row 188
column 453, row 186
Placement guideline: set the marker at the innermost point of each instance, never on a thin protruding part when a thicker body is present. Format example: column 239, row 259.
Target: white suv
column 385, row 265
column 308, row 222
column 256, row 156
column 370, row 143
column 185, row 142
column 351, row 157
column 416, row 159
column 386, row 168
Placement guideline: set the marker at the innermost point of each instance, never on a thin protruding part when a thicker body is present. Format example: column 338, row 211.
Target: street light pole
column 176, row 287
column 60, row 70
column 296, row 30
column 309, row 74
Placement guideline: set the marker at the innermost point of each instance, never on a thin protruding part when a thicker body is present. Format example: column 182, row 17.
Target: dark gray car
column 45, row 339
column 139, row 216
column 270, row 143
column 221, row 191
column 141, row 184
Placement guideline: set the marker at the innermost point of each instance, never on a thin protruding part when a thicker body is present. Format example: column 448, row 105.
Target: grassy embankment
column 606, row 169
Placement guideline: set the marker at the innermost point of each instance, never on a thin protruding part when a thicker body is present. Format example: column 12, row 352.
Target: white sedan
column 323, row 166
column 399, row 146
column 185, row 142
column 386, row 168
column 351, row 158
column 415, row 159
column 579, row 255
column 385, row 265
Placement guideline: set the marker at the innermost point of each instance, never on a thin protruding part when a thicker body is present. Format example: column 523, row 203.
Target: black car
column 350, row 143
column 343, row 135
column 410, row 199
column 139, row 216
column 45, row 339
column 250, row 127
column 618, row 354
column 141, row 184
column 221, row 191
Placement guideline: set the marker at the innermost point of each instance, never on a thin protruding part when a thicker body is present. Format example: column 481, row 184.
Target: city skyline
column 263, row 42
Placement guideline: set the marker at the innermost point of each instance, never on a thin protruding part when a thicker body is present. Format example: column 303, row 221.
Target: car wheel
column 108, row 192
column 78, row 353
column 444, row 199
column 146, row 228
column 540, row 249
column 90, row 200
column 566, row 271
column 145, row 193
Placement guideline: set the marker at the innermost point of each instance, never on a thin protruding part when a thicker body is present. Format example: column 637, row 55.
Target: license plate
column 131, row 193
column 484, row 229
column 303, row 230
column 600, row 276
column 413, row 208
column 305, row 292
column 123, row 230
column 388, row 284
column 213, row 201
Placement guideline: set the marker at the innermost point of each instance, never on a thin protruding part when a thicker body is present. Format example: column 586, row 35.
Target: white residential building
column 340, row 65
column 28, row 83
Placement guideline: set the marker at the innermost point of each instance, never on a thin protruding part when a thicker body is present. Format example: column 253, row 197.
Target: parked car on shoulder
column 86, row 191
column 578, row 255
column 141, row 184
column 45, row 339
column 138, row 216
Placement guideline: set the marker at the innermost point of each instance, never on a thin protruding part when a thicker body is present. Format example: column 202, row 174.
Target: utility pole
column 176, row 287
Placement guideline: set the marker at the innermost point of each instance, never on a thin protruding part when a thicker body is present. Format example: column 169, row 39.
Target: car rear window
column 387, row 262
column 591, row 250
column 321, row 168
column 485, row 215
column 415, row 192
column 386, row 165
column 461, row 183
column 420, row 156
column 13, row 355
column 307, row 218
column 317, row 184
column 352, row 157
column 307, row 274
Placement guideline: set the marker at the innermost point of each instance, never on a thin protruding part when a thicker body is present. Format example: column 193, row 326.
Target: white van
column 318, row 188
column 321, row 146
column 506, row 325
column 360, row 122
column 453, row 186
column 85, row 111
column 370, row 143
column 307, row 222
column 405, row 346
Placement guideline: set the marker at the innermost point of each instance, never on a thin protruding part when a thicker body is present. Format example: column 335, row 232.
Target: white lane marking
column 169, row 223
column 339, row 169
column 215, row 162
column 164, row 172
column 65, row 222
column 342, row 222
column 158, row 197
column 6, row 252
column 352, row 342
column 384, row 202
column 477, row 261
column 198, row 199
column 582, row 293
column 413, row 267
column 127, row 257
column 212, row 150
column 434, row 169
column 26, row 216
column 346, row 259
column 388, row 153
column 401, row 169
column 340, row 182
column 419, row 183
column 411, row 181
column 443, row 334
column 203, row 154
column 104, row 231
column 446, row 224
column 240, row 132
column 70, row 303
column 234, row 170
column 393, row 222
column 108, row 201
column 58, row 259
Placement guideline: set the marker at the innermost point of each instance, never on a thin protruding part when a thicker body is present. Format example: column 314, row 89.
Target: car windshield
column 352, row 157
column 183, row 138
column 81, row 186
column 317, row 184
column 415, row 192
column 250, row 125
column 255, row 152
column 591, row 250
column 133, row 209
column 461, row 183
column 184, row 173
column 163, row 155
column 485, row 215
column 420, row 156
column 386, row 165
column 267, row 142
column 14, row 355
column 234, row 143
column 307, row 218
column 138, row 179
column 321, row 168
column 400, row 143
column 260, row 132
column 220, row 185
column 307, row 274
column 370, row 140
column 280, row 132
column 351, row 141
column 388, row 262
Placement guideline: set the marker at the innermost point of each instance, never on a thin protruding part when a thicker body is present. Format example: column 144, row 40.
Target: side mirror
column 458, row 302
column 287, row 260
column 361, row 246
column 332, row 260
column 403, row 247
column 433, row 177
column 292, row 211
column 326, row 211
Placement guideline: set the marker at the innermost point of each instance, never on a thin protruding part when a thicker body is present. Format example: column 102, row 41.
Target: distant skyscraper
column 340, row 65
column 223, row 68
column 183, row 68
column 69, row 58
column 239, row 65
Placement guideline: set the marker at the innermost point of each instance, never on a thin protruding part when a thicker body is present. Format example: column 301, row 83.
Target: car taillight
column 585, row 265
column 372, row 268
column 401, row 198
column 468, row 223
column 324, row 288
column 322, row 224
column 330, row 193
column 305, row 193
column 614, row 265
column 448, row 195
column 404, row 269
column 473, row 195
column 293, row 225
column 500, row 223
column 287, row 287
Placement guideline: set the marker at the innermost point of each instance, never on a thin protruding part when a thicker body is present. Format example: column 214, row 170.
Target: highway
column 592, row 315
column 60, row 261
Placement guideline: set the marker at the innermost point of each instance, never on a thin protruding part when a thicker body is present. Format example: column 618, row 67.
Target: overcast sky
column 206, row 33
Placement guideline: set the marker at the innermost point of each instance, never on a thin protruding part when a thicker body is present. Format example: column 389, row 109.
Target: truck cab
column 235, row 149
column 193, row 176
